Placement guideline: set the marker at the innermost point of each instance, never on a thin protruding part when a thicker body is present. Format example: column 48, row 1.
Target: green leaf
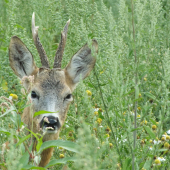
column 32, row 167
column 60, row 161
column 24, row 159
column 4, row 131
column 68, row 145
column 147, row 164
column 127, row 163
column 150, row 95
column 8, row 111
column 149, row 131
column 153, row 121
column 4, row 85
column 41, row 112
column 23, row 139
column 100, row 114
column 18, row 26
column 136, row 129
column 35, row 135
column 90, row 85
column 39, row 144
column 162, row 150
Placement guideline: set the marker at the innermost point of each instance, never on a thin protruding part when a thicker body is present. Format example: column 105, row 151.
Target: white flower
column 156, row 142
column 96, row 109
column 10, row 97
column 150, row 148
column 130, row 105
column 37, row 159
column 121, row 140
column 22, row 127
column 161, row 159
column 132, row 113
column 168, row 132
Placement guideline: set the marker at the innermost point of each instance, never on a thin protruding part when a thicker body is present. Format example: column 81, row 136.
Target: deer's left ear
column 81, row 63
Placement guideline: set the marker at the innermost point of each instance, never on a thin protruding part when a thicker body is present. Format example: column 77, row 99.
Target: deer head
column 52, row 88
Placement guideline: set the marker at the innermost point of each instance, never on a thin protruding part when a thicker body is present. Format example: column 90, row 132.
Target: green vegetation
column 120, row 122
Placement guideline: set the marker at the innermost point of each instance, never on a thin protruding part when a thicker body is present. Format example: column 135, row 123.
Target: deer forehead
column 49, row 81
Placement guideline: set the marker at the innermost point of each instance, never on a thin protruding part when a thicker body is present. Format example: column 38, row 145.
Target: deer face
column 52, row 93
column 52, row 88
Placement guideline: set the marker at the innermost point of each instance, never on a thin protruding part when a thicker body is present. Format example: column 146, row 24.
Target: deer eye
column 33, row 95
column 69, row 96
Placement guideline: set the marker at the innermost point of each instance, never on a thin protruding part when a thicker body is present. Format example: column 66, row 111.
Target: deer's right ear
column 21, row 59
column 81, row 63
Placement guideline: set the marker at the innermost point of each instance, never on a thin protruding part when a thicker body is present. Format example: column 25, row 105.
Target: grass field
column 120, row 116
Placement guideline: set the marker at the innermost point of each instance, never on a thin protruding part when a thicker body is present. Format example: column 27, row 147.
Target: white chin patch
column 49, row 130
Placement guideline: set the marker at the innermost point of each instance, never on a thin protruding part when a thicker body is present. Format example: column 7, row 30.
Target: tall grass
column 130, row 83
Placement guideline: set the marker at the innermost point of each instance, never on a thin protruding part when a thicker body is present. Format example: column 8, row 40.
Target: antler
column 40, row 49
column 60, row 50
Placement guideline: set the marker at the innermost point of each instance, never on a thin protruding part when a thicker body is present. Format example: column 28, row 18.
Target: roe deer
column 52, row 88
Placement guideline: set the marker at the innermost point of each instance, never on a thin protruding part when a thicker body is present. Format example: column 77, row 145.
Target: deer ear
column 21, row 59
column 81, row 63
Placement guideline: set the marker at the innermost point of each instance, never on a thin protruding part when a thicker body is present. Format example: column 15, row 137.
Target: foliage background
column 131, row 76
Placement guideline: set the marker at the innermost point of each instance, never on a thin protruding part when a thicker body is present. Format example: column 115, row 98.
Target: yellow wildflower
column 61, row 155
column 110, row 144
column 145, row 79
column 166, row 145
column 142, row 141
column 96, row 113
column 145, row 122
column 154, row 127
column 150, row 141
column 107, row 129
column 143, row 169
column 89, row 93
column 140, row 95
column 163, row 139
column 167, row 137
column 99, row 120
column 107, row 135
column 124, row 113
column 138, row 116
column 14, row 96
column 100, row 109
column 157, row 162
column 139, row 108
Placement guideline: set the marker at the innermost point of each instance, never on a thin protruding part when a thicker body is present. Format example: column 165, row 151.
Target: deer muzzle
column 50, row 124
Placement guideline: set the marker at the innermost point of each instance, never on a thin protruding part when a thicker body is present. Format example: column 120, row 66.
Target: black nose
column 50, row 123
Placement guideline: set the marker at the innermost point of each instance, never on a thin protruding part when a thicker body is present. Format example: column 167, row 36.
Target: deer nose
column 50, row 123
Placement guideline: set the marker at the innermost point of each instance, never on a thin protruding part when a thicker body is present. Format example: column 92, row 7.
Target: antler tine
column 60, row 50
column 40, row 49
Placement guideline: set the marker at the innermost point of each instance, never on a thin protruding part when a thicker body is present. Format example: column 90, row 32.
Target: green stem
column 136, row 86
column 108, row 118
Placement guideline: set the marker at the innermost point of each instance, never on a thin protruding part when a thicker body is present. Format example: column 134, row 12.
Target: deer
column 52, row 89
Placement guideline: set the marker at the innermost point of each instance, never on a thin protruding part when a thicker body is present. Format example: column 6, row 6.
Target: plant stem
column 136, row 85
column 108, row 118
